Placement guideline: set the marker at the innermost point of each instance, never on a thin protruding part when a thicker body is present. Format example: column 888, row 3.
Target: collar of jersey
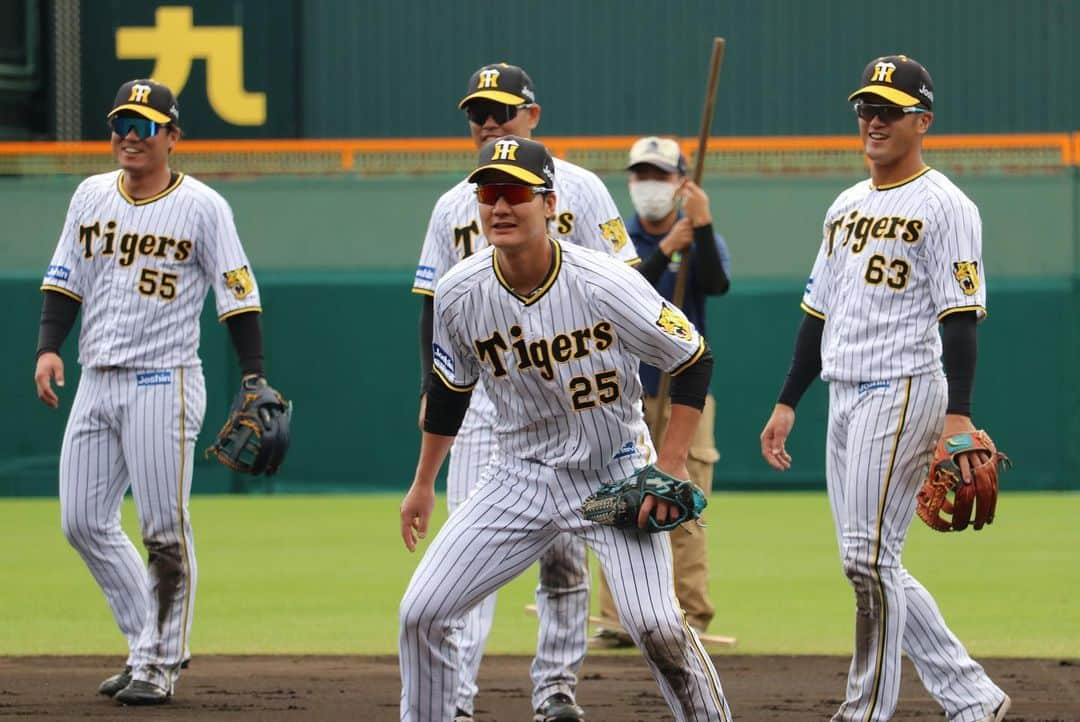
column 897, row 184
column 143, row 201
column 549, row 280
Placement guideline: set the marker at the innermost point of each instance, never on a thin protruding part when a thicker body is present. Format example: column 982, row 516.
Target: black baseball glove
column 617, row 504
column 256, row 436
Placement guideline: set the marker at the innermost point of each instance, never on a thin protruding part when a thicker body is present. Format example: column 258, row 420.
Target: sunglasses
column 480, row 111
column 887, row 113
column 143, row 127
column 513, row 193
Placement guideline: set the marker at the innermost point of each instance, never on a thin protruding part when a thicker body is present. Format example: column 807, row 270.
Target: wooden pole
column 679, row 296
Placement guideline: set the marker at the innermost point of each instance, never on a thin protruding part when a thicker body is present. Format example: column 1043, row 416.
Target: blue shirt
column 694, row 301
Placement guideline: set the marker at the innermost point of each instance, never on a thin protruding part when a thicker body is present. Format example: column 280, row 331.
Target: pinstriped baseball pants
column 562, row 595
column 137, row 429
column 880, row 439
column 506, row 524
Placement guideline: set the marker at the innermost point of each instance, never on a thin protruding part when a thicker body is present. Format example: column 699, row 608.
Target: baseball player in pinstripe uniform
column 557, row 331
column 900, row 255
column 139, row 248
column 501, row 100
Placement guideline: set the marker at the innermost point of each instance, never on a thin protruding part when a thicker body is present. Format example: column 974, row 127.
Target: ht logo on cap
column 489, row 78
column 505, row 149
column 139, row 94
column 883, row 72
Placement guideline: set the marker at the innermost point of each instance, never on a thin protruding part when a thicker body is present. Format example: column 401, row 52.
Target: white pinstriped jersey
column 893, row 261
column 585, row 214
column 141, row 270
column 561, row 365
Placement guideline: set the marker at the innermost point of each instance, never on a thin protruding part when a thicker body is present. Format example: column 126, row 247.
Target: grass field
column 300, row 574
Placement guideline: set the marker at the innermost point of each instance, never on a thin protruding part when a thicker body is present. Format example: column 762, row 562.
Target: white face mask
column 653, row 199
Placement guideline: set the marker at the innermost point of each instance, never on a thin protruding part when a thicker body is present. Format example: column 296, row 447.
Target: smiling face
column 892, row 142
column 143, row 156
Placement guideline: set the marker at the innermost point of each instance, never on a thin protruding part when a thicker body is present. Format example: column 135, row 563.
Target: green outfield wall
column 374, row 68
column 334, row 260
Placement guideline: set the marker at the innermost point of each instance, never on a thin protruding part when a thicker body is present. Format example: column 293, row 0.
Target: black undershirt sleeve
column 691, row 385
column 709, row 271
column 58, row 313
column 427, row 331
column 960, row 346
column 445, row 408
column 654, row 266
column 245, row 330
column 805, row 362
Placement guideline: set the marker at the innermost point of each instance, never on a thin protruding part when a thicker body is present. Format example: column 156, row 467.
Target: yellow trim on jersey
column 151, row 199
column 543, row 288
column 812, row 311
column 960, row 309
column 693, row 359
column 64, row 291
column 423, row 291
column 237, row 312
column 634, row 261
column 180, row 511
column 877, row 554
column 452, row 386
column 889, row 186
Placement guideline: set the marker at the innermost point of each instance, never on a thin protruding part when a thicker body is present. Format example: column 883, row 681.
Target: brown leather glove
column 946, row 501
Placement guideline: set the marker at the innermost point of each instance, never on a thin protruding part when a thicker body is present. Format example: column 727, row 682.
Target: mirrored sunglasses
column 480, row 110
column 143, row 127
column 513, row 193
column 887, row 113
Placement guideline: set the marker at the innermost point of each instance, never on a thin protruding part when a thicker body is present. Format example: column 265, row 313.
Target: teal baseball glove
column 617, row 504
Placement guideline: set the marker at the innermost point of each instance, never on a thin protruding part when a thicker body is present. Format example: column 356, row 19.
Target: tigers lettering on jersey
column 562, row 348
column 915, row 258
column 862, row 229
column 128, row 245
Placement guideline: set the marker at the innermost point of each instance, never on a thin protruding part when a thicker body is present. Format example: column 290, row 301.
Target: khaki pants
column 688, row 546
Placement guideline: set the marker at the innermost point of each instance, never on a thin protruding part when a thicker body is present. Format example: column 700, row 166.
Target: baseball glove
column 256, row 436
column 946, row 501
column 617, row 504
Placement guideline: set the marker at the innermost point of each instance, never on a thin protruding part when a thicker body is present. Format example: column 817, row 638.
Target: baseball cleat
column 461, row 715
column 115, row 683
column 141, row 692
column 559, row 708
column 999, row 713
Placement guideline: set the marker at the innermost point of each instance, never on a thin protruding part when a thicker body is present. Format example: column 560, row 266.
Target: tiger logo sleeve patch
column 674, row 323
column 614, row 232
column 239, row 281
column 966, row 274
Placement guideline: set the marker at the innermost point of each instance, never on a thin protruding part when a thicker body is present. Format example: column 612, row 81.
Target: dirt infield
column 612, row 689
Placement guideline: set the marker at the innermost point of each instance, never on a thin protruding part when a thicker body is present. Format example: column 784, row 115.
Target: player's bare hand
column 50, row 367
column 416, row 511
column 960, row 424
column 423, row 410
column 695, row 204
column 775, row 434
column 660, row 510
column 678, row 238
